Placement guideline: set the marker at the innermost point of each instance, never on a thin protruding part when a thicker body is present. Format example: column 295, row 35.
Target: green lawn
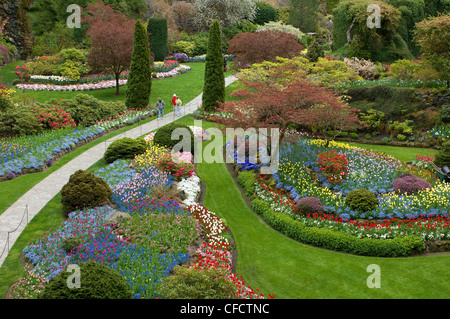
column 187, row 86
column 405, row 154
column 7, row 74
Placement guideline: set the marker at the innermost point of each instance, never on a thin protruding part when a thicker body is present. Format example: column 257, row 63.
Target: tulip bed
column 158, row 235
column 423, row 215
column 169, row 69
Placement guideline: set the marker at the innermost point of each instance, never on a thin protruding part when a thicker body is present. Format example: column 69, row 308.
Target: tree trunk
column 349, row 38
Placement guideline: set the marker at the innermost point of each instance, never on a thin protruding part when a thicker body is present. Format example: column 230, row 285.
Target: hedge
column 247, row 180
column 158, row 37
column 330, row 239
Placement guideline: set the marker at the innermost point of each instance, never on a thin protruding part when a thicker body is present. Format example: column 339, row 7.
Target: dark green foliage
column 69, row 243
column 158, row 35
column 86, row 109
column 5, row 103
column 361, row 200
column 84, row 189
column 192, row 283
column 359, row 49
column 265, row 13
column 97, row 281
column 445, row 113
column 124, row 148
column 247, row 180
column 163, row 137
column 434, row 7
column 443, row 156
column 315, row 52
column 19, row 121
column 304, row 15
column 394, row 102
column 131, row 8
column 45, row 14
column 214, row 87
column 335, row 240
column 140, row 76
column 380, row 44
column 330, row 5
column 412, row 11
column 238, row 27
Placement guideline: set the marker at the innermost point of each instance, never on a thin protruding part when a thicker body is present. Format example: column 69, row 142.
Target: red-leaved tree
column 274, row 105
column 262, row 46
column 112, row 35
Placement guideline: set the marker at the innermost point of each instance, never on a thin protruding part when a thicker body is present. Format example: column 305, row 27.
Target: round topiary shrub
column 97, row 281
column 410, row 184
column 192, row 283
column 124, row 148
column 163, row 137
column 309, row 205
column 69, row 243
column 84, row 189
column 361, row 200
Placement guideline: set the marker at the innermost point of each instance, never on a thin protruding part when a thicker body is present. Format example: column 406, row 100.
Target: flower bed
column 157, row 235
column 33, row 152
column 423, row 214
column 96, row 83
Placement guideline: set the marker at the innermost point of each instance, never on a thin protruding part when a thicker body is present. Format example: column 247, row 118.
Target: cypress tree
column 140, row 76
column 158, row 35
column 304, row 15
column 214, row 86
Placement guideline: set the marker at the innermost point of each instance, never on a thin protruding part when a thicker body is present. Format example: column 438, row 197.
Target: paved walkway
column 37, row 197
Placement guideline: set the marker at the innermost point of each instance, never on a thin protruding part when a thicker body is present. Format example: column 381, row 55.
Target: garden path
column 15, row 219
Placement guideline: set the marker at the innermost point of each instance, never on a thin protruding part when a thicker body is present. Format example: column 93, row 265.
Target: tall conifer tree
column 214, row 87
column 140, row 76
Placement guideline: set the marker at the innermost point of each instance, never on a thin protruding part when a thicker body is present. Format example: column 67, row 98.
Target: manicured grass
column 7, row 74
column 281, row 266
column 405, row 154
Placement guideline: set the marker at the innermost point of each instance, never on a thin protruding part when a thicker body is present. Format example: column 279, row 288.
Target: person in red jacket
column 174, row 101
